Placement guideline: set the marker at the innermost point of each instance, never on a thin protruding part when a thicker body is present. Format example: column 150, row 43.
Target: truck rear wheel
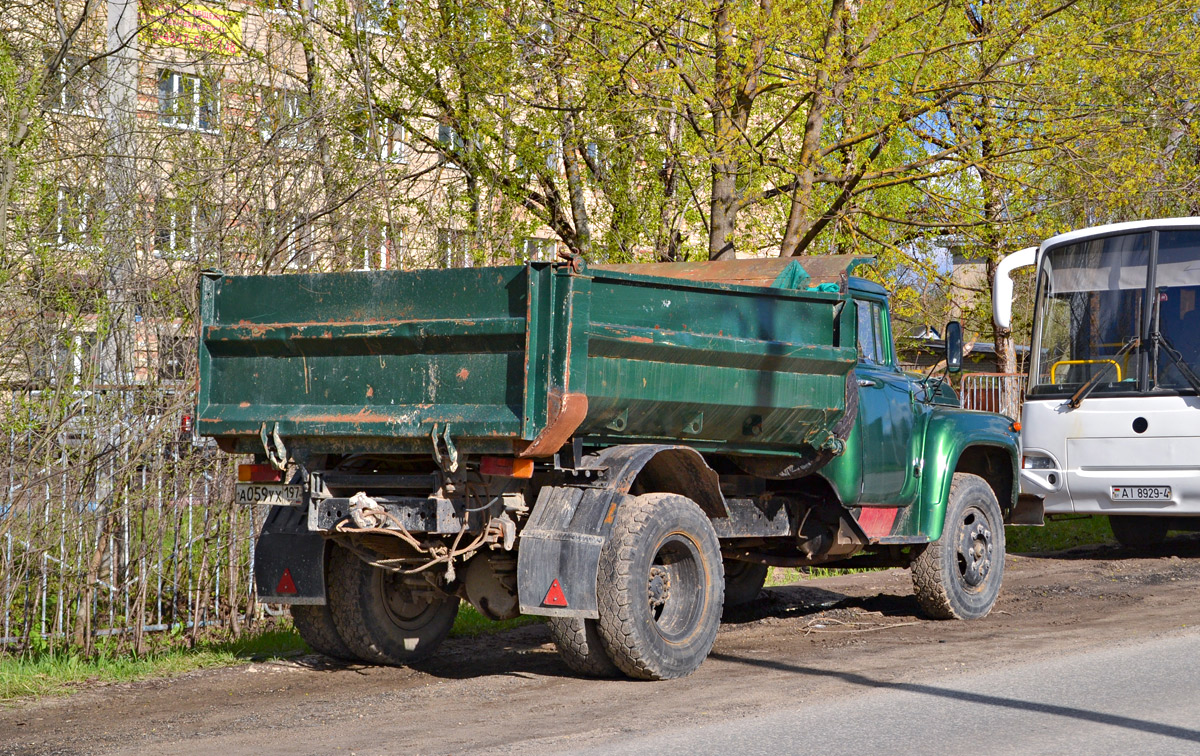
column 316, row 627
column 382, row 619
column 958, row 576
column 661, row 587
column 743, row 581
column 579, row 645
column 1138, row 531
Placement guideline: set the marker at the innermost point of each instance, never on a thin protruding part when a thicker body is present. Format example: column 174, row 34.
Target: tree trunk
column 799, row 221
column 723, row 202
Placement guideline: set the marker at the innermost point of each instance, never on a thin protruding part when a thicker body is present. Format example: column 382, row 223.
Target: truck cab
column 911, row 435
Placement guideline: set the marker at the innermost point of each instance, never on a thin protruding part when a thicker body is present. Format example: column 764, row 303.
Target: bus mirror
column 954, row 346
column 1002, row 292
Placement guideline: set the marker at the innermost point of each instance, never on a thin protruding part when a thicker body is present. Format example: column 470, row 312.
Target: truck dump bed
column 519, row 359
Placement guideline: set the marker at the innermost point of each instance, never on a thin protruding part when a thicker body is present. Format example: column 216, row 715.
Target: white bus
column 1110, row 422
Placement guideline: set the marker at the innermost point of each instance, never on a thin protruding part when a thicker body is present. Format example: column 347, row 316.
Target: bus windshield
column 1093, row 317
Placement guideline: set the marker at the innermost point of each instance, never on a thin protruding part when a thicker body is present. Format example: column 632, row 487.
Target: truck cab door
column 887, row 412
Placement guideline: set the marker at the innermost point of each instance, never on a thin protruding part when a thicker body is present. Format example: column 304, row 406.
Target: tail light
column 508, row 467
column 259, row 474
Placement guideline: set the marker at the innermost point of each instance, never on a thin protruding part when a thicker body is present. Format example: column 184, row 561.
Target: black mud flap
column 558, row 561
column 559, row 558
column 289, row 559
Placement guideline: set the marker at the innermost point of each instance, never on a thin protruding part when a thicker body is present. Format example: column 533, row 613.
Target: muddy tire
column 316, row 627
column 579, row 645
column 959, row 575
column 1138, row 531
column 661, row 588
column 743, row 581
column 381, row 620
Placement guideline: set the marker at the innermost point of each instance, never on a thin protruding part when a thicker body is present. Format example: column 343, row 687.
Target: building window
column 380, row 246
column 548, row 153
column 74, row 216
column 284, row 117
column 291, row 7
column 289, row 235
column 75, row 356
column 389, row 142
column 174, row 229
column 451, row 144
column 452, row 248
column 187, row 101
column 381, row 16
column 539, row 41
column 78, row 85
column 174, row 353
column 538, row 249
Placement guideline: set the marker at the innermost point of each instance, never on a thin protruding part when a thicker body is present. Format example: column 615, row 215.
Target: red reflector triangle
column 555, row 596
column 286, row 585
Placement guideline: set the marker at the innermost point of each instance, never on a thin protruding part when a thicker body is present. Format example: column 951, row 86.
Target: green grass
column 1058, row 534
column 42, row 673
column 46, row 673
column 789, row 575
column 470, row 623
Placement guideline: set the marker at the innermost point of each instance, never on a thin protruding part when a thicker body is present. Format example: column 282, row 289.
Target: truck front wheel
column 959, row 575
column 661, row 587
column 381, row 618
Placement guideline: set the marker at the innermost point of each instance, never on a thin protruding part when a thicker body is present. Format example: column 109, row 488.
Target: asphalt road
column 1132, row 699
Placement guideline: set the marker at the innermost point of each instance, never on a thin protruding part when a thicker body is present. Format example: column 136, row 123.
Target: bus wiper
column 1078, row 397
column 1161, row 340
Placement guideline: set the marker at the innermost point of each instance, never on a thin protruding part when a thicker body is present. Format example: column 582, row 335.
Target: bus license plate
column 1141, row 493
column 274, row 494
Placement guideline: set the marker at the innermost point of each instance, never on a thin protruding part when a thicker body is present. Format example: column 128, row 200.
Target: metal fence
column 114, row 523
column 993, row 392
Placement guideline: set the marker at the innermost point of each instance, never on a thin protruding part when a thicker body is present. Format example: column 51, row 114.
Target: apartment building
column 254, row 151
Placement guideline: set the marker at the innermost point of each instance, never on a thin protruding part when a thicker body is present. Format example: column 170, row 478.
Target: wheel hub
column 400, row 600
column 975, row 550
column 659, row 586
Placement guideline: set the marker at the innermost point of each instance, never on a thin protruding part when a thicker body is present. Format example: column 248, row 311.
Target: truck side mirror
column 954, row 346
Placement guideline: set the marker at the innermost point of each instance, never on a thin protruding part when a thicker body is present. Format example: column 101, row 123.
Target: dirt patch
column 509, row 693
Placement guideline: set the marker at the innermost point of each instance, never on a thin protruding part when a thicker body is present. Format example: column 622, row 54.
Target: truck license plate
column 274, row 494
column 1141, row 493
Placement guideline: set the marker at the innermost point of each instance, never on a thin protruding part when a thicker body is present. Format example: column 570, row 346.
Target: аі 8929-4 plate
column 1141, row 493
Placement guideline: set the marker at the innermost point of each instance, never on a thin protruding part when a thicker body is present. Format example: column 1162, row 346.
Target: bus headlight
column 1037, row 462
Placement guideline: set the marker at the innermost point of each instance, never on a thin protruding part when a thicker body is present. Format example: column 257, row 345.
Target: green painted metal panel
column 383, row 357
column 950, row 432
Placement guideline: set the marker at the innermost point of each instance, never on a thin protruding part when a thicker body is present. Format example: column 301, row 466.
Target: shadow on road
column 520, row 651
column 799, row 601
column 1182, row 546
column 1140, row 725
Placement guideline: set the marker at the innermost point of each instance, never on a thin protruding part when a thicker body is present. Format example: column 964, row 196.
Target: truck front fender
column 560, row 545
column 958, row 440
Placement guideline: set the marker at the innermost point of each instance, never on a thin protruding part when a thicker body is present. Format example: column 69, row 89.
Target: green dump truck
column 624, row 449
